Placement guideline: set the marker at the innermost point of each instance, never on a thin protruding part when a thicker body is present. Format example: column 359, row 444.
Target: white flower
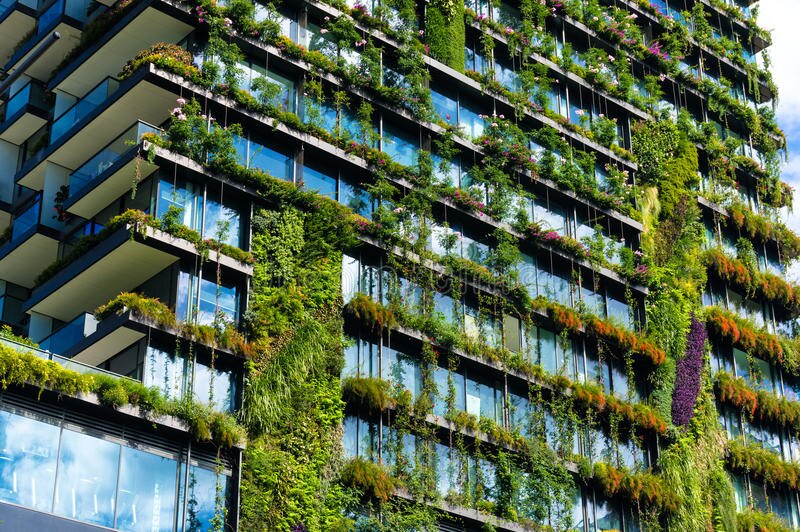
column 323, row 31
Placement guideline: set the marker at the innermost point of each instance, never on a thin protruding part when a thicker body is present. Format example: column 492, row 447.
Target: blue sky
column 782, row 17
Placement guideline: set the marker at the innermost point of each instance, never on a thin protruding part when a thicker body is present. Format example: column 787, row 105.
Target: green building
column 327, row 265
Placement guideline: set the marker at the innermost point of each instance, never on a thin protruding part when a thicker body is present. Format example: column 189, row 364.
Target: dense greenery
column 18, row 368
column 294, row 474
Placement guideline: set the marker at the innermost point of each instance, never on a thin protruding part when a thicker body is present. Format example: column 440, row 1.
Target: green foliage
column 756, row 521
column 445, row 32
column 654, row 143
column 369, row 478
column 371, row 393
column 21, row 369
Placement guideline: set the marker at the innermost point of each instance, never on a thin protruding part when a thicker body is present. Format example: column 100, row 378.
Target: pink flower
column 228, row 22
column 181, row 102
column 323, row 31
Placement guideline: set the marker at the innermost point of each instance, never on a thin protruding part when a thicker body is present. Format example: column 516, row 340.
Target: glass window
column 203, row 306
column 165, row 371
column 355, row 198
column 147, row 488
column 277, row 164
column 607, row 516
column 319, row 182
column 87, row 478
column 446, row 106
column 215, row 387
column 399, row 145
column 444, row 469
column 28, row 454
column 201, row 507
column 618, row 309
column 222, row 220
column 742, row 364
column 184, row 196
column 548, row 351
column 404, row 370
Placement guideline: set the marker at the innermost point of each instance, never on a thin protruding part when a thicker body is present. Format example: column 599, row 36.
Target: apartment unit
column 537, row 194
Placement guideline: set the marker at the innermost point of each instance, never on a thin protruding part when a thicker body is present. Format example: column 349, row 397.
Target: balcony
column 65, row 362
column 81, row 108
column 32, row 246
column 25, row 112
column 70, row 334
column 105, row 112
column 113, row 343
column 117, row 264
column 17, row 19
column 67, row 17
column 120, row 262
column 109, row 173
column 11, row 310
column 145, row 23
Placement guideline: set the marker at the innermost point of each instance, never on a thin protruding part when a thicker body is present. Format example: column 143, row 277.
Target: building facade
column 394, row 265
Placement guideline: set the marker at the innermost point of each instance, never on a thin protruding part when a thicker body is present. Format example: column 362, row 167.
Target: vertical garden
column 525, row 271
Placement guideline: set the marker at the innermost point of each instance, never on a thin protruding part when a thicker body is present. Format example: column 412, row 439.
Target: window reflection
column 28, row 454
column 87, row 478
column 202, row 501
column 147, row 485
column 87, row 488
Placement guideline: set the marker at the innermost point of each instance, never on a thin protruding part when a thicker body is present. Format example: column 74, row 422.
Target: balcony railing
column 5, row 6
column 32, row 93
column 11, row 309
column 70, row 334
column 80, row 109
column 28, row 219
column 107, row 156
column 80, row 10
column 65, row 362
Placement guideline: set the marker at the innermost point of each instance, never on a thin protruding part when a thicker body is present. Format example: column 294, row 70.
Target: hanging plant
column 689, row 370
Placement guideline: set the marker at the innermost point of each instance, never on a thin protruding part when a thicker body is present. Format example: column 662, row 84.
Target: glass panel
column 608, row 516
column 201, row 506
column 319, row 182
column 25, row 221
column 28, row 454
column 165, row 371
column 70, row 334
column 278, row 165
column 215, row 387
column 147, row 488
column 83, row 107
column 106, row 157
column 355, row 198
column 87, row 478
column 222, row 221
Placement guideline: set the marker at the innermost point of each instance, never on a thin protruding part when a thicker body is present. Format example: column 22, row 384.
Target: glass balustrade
column 70, row 334
column 80, row 109
column 32, row 93
column 65, row 362
column 28, row 219
column 106, row 157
